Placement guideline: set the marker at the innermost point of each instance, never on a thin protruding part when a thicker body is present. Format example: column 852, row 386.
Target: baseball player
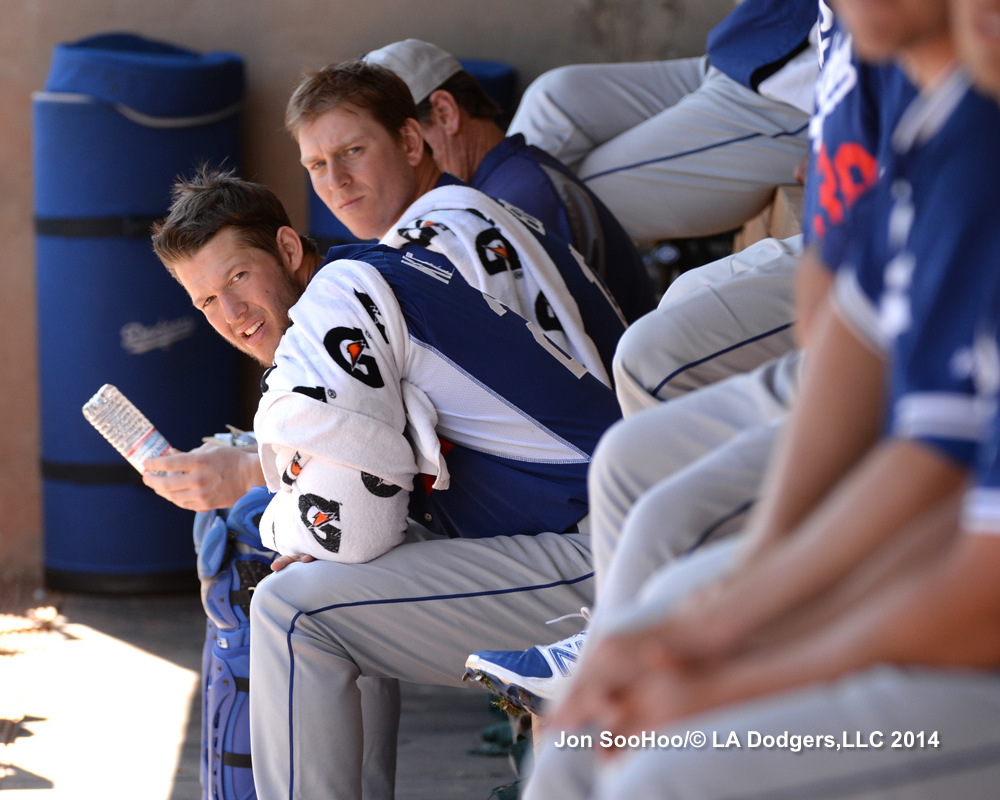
column 700, row 332
column 697, row 460
column 497, row 248
column 912, row 291
column 404, row 355
column 458, row 121
column 359, row 139
column 686, row 147
column 744, row 302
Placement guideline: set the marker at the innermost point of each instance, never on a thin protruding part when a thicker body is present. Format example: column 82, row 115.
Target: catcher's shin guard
column 231, row 562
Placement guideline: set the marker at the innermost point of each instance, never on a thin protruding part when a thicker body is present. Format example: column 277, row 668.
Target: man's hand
column 662, row 655
column 605, row 675
column 283, row 561
column 211, row 476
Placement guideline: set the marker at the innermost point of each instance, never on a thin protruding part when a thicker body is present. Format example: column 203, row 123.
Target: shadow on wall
column 629, row 30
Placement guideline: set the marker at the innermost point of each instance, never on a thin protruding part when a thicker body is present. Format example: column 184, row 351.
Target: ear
column 413, row 141
column 290, row 247
column 446, row 112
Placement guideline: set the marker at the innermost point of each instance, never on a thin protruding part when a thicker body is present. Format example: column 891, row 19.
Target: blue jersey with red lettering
column 928, row 260
column 857, row 106
column 534, row 181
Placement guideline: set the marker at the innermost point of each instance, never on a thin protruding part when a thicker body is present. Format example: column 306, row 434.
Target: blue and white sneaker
column 525, row 679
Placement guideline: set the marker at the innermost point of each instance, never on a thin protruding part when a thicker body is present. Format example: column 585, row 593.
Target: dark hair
column 468, row 94
column 369, row 86
column 212, row 200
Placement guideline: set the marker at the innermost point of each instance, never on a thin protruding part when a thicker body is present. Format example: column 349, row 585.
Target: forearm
column 897, row 482
column 833, row 424
column 944, row 613
column 812, row 285
column 250, row 469
column 212, row 476
column 930, row 536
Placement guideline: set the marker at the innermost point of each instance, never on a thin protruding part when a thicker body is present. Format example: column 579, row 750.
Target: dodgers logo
column 838, row 79
column 496, row 253
column 318, row 515
column 349, row 350
column 426, row 267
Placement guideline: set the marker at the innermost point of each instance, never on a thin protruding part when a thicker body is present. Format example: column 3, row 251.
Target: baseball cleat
column 525, row 679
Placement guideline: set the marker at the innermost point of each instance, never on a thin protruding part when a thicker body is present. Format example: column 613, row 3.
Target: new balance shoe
column 525, row 679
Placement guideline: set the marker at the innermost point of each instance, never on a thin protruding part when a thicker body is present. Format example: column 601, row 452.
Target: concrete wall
column 278, row 39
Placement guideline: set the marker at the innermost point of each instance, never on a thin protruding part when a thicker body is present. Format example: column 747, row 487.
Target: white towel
column 494, row 250
column 331, row 426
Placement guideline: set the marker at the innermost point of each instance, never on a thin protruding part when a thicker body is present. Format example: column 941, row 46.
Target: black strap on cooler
column 91, row 227
column 91, row 474
column 236, row 760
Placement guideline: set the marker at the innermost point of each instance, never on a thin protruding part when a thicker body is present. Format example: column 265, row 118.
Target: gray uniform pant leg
column 380, row 704
column 414, row 614
column 714, row 321
column 640, row 452
column 699, row 162
column 570, row 110
column 705, row 502
column 962, row 707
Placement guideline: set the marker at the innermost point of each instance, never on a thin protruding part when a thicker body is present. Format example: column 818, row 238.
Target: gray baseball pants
column 674, row 148
column 721, row 319
column 894, row 711
column 671, row 478
column 414, row 614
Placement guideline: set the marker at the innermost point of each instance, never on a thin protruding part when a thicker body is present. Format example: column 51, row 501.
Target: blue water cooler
column 119, row 119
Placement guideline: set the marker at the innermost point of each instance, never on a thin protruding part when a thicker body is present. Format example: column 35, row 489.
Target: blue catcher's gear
column 231, row 562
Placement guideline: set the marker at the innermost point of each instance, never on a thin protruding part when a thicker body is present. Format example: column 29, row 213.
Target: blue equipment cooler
column 120, row 118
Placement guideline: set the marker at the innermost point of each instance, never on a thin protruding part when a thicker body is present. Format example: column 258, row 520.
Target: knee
column 615, row 451
column 549, row 87
column 652, row 348
column 563, row 773
column 660, row 515
column 268, row 604
column 628, row 354
column 291, row 591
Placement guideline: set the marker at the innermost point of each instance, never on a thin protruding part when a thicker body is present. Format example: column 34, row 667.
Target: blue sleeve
column 953, row 255
column 758, row 35
column 981, row 505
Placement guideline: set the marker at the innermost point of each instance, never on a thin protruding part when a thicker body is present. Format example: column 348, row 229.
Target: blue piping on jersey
column 390, row 601
column 849, row 785
column 584, row 456
column 725, row 350
column 696, row 150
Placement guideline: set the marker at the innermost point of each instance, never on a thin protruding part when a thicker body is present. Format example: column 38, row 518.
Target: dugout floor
column 99, row 699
